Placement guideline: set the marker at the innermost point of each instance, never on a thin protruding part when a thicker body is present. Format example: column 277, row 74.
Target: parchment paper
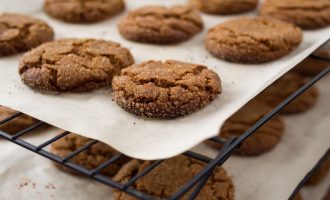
column 95, row 115
column 272, row 176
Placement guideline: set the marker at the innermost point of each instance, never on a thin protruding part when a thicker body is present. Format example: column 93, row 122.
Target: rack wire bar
column 202, row 173
column 198, row 181
column 197, row 156
column 79, row 150
column 106, row 164
column 143, row 173
column 200, row 186
column 207, row 175
column 310, row 173
column 27, row 130
column 54, row 139
column 10, row 118
column 219, row 140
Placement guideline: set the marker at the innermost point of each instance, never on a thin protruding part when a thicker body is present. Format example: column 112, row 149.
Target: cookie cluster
column 162, row 89
column 165, row 89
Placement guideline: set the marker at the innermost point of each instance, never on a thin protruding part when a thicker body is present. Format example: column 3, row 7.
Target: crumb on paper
column 50, row 186
column 24, row 182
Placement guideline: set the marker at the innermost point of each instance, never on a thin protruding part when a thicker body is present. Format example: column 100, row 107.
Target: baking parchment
column 272, row 176
column 95, row 115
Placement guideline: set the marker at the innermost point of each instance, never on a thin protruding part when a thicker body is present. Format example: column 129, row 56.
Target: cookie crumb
column 50, row 186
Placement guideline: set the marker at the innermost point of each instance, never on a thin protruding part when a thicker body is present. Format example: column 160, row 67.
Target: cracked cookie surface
column 73, row 64
column 262, row 140
column 170, row 175
column 90, row 158
column 307, row 14
column 284, row 87
column 252, row 39
column 17, row 124
column 224, row 6
column 168, row 89
column 161, row 25
column 19, row 33
column 80, row 11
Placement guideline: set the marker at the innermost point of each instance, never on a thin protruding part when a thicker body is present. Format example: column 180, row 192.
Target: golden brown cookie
column 312, row 66
column 90, row 158
column 224, row 6
column 168, row 177
column 307, row 14
column 19, row 33
column 320, row 173
column 283, row 88
column 161, row 25
column 262, row 140
column 73, row 64
column 80, row 11
column 14, row 126
column 168, row 89
column 252, row 39
column 298, row 197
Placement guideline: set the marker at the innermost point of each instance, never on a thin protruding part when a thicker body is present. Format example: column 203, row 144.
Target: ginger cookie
column 297, row 197
column 161, row 25
column 169, row 176
column 224, row 6
column 307, row 14
column 168, row 89
column 19, row 33
column 16, row 125
column 252, row 39
column 312, row 66
column 262, row 140
column 73, row 64
column 83, row 11
column 90, row 158
column 283, row 88
column 320, row 173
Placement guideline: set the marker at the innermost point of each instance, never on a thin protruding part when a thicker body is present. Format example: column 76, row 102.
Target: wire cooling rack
column 195, row 184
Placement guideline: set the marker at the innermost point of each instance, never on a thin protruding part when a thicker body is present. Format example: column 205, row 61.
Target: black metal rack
column 197, row 182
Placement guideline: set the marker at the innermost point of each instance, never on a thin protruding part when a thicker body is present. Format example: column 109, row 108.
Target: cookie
column 167, row 178
column 73, row 64
column 320, row 173
column 90, row 158
column 83, row 11
column 283, row 88
column 297, row 197
column 262, row 140
column 16, row 125
column 224, row 6
column 307, row 14
column 19, row 33
column 312, row 66
column 168, row 89
column 161, row 25
column 252, row 40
